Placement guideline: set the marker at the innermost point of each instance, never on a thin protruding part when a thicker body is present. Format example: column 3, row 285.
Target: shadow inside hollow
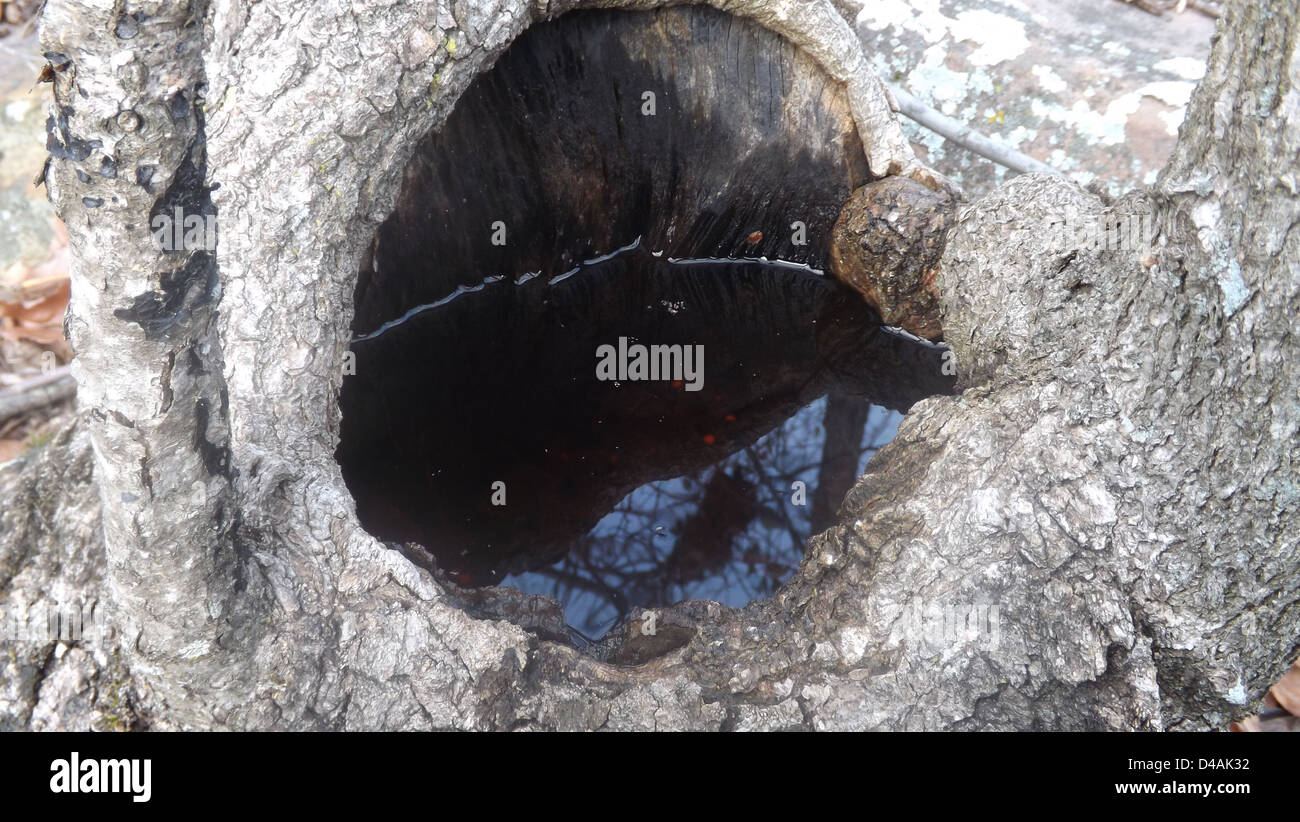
column 476, row 424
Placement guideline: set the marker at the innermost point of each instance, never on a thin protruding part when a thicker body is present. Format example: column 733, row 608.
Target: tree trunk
column 1099, row 532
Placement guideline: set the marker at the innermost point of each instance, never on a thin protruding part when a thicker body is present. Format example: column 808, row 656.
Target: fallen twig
column 37, row 392
column 967, row 137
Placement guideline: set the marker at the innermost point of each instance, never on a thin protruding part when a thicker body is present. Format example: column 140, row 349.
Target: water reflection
column 479, row 429
column 731, row 533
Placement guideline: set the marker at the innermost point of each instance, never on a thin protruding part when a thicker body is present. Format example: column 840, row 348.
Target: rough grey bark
column 1113, row 496
column 52, row 561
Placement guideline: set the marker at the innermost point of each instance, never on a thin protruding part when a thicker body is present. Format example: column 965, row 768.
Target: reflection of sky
column 622, row 560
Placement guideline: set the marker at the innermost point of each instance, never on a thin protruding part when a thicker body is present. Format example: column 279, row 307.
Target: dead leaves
column 39, row 320
column 36, row 312
column 33, row 300
column 10, row 449
column 1281, row 706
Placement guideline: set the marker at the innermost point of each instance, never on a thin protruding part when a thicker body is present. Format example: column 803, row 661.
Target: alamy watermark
column 179, row 231
column 1136, row 232
column 128, row 776
column 936, row 626
column 678, row 363
column 53, row 622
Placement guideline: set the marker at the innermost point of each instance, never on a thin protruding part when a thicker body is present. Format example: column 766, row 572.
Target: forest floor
column 34, row 284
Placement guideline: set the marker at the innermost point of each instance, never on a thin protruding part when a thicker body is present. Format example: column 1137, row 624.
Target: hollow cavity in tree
column 621, row 180
column 634, row 434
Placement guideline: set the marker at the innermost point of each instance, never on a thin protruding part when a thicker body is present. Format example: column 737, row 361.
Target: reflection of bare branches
column 594, row 584
column 704, row 539
column 778, row 500
column 729, row 532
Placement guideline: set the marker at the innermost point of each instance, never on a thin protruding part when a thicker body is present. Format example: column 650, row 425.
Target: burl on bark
column 887, row 244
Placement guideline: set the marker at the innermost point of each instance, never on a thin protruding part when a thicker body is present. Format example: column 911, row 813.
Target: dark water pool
column 732, row 532
column 485, row 428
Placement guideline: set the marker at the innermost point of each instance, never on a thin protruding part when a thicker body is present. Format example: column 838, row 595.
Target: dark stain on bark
column 57, row 60
column 187, row 190
column 179, row 106
column 195, row 362
column 61, row 143
column 166, row 382
column 216, row 458
column 192, row 285
column 181, row 291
